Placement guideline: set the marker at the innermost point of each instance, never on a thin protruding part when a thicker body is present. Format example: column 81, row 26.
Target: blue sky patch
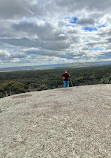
column 74, row 20
column 86, row 28
column 101, row 26
column 93, row 49
column 90, row 29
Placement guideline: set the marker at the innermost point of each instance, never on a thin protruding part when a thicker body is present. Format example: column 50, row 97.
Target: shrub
column 42, row 87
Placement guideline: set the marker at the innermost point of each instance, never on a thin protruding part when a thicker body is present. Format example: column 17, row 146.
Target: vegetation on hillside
column 25, row 81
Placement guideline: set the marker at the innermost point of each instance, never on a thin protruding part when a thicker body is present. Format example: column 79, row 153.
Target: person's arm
column 63, row 76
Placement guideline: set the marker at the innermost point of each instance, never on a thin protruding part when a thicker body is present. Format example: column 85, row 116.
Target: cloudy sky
column 41, row 32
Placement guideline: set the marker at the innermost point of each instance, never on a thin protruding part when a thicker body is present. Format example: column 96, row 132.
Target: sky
column 44, row 32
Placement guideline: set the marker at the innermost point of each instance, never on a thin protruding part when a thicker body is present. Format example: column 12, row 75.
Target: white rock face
column 61, row 123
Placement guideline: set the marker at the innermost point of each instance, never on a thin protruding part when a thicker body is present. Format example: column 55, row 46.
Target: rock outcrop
column 61, row 123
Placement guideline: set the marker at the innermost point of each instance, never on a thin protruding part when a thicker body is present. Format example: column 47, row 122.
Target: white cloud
column 15, row 60
column 54, row 31
column 4, row 53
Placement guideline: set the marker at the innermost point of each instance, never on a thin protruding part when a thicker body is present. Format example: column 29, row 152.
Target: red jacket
column 65, row 75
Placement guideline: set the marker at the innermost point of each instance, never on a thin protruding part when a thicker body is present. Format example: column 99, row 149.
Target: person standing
column 66, row 79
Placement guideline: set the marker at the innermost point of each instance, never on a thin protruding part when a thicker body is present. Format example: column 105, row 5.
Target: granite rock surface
column 61, row 123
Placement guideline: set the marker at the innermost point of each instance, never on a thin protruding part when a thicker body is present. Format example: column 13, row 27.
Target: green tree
column 12, row 87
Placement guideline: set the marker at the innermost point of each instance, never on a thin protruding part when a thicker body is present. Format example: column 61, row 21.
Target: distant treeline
column 25, row 81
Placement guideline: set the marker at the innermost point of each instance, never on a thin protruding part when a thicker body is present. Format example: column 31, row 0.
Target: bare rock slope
column 60, row 123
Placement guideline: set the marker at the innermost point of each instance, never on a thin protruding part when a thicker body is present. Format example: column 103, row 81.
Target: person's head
column 65, row 71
